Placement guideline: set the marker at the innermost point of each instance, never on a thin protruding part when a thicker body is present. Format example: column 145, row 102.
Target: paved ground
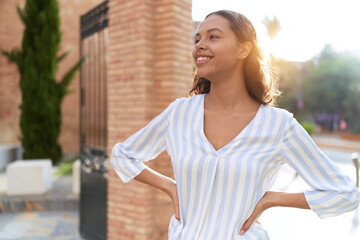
column 57, row 219
column 335, row 142
column 39, row 226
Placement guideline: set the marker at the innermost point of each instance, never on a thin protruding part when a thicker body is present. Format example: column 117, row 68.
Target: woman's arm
column 283, row 199
column 332, row 193
column 128, row 157
column 275, row 199
column 155, row 179
column 164, row 183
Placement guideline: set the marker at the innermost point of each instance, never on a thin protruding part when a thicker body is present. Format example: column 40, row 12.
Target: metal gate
column 93, row 195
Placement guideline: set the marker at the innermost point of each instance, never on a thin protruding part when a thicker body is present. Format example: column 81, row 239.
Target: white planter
column 26, row 177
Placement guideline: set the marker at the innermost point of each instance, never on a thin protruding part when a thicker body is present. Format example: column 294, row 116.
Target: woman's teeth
column 203, row 58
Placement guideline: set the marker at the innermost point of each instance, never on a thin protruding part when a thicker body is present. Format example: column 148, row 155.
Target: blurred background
column 78, row 76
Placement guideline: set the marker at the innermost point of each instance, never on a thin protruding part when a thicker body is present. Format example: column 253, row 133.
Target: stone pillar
column 149, row 66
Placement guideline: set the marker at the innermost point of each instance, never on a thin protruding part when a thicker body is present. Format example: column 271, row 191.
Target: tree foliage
column 289, row 78
column 37, row 63
column 333, row 86
column 329, row 83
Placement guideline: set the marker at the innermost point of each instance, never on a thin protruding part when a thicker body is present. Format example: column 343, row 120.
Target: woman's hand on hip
column 268, row 200
column 175, row 199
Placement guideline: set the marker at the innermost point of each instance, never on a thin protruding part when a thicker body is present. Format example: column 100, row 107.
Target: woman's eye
column 211, row 37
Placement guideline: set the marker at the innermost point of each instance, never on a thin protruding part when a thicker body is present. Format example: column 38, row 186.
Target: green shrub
column 309, row 127
column 66, row 165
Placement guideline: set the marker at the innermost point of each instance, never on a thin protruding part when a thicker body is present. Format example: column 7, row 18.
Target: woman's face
column 216, row 48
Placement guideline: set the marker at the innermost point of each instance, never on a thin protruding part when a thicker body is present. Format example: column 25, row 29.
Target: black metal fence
column 93, row 127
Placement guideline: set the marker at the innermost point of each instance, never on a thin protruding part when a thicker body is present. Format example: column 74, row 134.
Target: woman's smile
column 202, row 59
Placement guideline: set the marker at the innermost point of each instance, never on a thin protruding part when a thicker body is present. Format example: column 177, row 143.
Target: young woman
column 227, row 143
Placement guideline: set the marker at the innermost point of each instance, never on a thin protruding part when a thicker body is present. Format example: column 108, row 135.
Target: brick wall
column 11, row 30
column 149, row 66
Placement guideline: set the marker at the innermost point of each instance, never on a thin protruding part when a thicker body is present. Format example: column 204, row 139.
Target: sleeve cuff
column 128, row 169
column 309, row 199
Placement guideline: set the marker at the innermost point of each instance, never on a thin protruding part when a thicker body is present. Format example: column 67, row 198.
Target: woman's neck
column 229, row 93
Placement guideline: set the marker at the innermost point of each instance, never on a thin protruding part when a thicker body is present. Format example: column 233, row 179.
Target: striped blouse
column 219, row 189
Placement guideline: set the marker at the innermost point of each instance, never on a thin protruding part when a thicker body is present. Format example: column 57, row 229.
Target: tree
column 333, row 86
column 37, row 64
column 273, row 27
column 289, row 76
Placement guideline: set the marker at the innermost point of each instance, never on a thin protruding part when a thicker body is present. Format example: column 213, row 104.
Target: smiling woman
column 227, row 144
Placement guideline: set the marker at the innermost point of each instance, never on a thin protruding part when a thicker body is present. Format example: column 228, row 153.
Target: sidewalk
column 335, row 142
column 40, row 226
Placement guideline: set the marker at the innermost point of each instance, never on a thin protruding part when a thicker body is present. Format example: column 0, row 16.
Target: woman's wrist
column 272, row 199
column 284, row 199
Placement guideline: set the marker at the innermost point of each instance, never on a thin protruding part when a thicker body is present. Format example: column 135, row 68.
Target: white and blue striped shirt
column 218, row 190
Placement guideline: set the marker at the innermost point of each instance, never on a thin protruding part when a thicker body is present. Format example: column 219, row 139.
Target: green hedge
column 309, row 127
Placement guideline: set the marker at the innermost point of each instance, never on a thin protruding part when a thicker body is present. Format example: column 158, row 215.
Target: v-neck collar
column 220, row 150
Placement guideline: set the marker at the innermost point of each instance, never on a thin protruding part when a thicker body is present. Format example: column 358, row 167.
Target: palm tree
column 273, row 28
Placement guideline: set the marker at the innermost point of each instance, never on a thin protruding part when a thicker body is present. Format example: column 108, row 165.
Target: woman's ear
column 244, row 50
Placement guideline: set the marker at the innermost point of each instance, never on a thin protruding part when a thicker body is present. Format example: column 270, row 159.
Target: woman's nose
column 199, row 45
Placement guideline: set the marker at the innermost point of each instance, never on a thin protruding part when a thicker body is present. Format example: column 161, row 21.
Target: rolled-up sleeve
column 332, row 192
column 128, row 157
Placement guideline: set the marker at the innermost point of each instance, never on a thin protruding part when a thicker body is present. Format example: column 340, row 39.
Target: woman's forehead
column 215, row 22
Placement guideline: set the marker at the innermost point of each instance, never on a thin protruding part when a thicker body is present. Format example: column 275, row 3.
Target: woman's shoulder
column 186, row 104
column 182, row 101
column 281, row 112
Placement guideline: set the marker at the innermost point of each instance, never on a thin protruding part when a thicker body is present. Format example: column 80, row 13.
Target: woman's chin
column 207, row 77
column 202, row 75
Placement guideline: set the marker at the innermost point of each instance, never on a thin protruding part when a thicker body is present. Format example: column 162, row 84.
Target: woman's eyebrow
column 212, row 29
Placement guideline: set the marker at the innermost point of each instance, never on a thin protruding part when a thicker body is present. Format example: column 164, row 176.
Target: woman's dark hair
column 260, row 81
